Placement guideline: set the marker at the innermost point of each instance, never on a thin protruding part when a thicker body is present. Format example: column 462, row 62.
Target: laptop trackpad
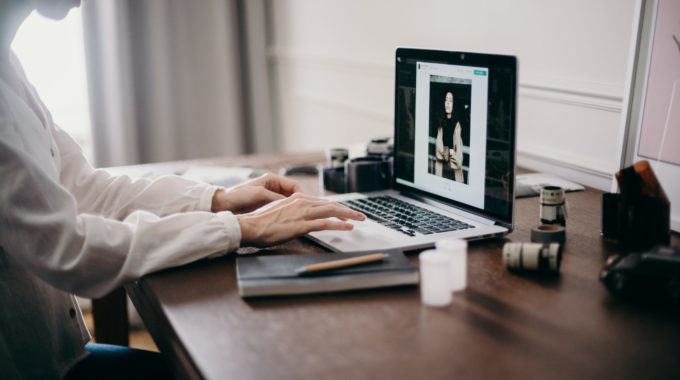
column 365, row 236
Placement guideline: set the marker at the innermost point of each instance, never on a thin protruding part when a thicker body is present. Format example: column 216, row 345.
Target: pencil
column 343, row 263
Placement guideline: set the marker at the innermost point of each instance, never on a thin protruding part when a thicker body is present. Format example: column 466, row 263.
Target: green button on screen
column 480, row 72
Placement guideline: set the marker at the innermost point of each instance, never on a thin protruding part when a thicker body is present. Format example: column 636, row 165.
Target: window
column 53, row 56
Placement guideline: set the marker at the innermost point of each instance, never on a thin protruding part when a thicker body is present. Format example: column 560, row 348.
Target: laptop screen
column 455, row 129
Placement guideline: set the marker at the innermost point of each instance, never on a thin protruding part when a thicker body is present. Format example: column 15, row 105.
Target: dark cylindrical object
column 610, row 215
column 643, row 223
column 548, row 233
column 638, row 223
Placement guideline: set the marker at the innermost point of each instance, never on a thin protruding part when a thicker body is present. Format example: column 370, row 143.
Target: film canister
column 553, row 205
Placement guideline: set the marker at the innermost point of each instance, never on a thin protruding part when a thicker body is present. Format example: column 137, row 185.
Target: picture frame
column 650, row 120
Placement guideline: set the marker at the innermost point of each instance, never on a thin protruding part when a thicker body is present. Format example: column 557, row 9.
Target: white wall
column 331, row 61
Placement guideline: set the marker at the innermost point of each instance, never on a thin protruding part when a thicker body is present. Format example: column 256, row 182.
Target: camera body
column 363, row 174
column 647, row 275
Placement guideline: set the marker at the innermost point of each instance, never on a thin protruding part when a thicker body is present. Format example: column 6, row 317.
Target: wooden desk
column 502, row 326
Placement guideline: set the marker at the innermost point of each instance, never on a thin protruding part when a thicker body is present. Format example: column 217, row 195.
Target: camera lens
column 532, row 256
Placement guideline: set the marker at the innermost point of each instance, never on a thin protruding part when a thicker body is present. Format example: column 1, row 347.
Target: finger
column 333, row 210
column 282, row 185
column 305, row 201
column 293, row 202
column 326, row 224
column 344, row 207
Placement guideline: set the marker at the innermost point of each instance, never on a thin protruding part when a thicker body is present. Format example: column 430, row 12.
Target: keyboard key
column 404, row 217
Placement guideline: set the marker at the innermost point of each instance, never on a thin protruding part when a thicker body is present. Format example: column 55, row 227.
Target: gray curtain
column 165, row 80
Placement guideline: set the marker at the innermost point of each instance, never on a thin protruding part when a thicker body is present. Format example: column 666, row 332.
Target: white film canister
column 553, row 210
column 435, row 285
column 457, row 250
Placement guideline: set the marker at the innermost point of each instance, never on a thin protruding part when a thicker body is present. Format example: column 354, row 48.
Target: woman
column 68, row 228
column 449, row 143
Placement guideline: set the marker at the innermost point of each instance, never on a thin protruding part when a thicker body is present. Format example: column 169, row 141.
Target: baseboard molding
column 587, row 176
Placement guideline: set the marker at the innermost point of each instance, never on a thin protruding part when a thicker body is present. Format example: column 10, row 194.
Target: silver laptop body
column 454, row 151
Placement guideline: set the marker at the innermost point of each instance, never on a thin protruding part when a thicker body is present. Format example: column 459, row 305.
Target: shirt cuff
column 232, row 229
column 205, row 203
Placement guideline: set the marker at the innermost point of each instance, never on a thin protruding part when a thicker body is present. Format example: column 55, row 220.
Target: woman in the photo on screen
column 449, row 143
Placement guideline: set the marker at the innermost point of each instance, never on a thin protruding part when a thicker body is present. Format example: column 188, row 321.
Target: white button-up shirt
column 68, row 228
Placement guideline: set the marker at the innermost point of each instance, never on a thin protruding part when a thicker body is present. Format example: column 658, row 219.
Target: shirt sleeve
column 42, row 227
column 98, row 192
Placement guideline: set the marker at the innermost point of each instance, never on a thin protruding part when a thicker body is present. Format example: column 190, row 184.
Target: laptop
column 454, row 155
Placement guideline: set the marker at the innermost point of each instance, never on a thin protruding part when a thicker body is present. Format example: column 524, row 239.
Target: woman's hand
column 291, row 217
column 254, row 194
column 453, row 161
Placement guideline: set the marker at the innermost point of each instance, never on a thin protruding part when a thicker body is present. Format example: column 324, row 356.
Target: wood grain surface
column 503, row 325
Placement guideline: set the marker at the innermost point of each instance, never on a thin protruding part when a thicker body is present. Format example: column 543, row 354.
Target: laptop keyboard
column 405, row 217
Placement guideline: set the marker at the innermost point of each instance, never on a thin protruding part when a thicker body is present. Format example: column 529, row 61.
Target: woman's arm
column 440, row 149
column 89, row 255
column 100, row 193
column 457, row 150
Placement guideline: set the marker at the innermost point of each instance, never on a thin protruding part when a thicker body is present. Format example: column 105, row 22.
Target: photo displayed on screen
column 449, row 132
column 481, row 104
column 451, row 125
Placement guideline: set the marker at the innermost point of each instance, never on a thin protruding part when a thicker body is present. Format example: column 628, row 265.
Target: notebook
column 259, row 276
column 454, row 155
column 530, row 184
